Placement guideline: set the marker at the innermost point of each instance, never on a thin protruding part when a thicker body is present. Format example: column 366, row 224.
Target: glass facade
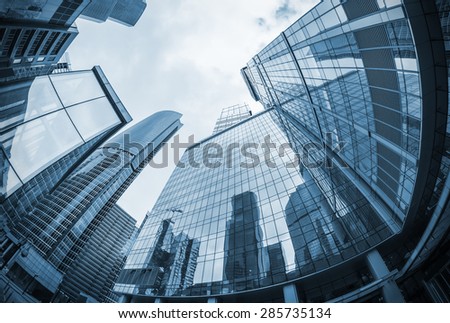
column 355, row 189
column 126, row 12
column 49, row 126
column 231, row 116
column 68, row 221
column 46, row 119
column 95, row 269
column 350, row 71
column 252, row 225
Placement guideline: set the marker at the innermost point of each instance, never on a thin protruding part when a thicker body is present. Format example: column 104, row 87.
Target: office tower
column 35, row 34
column 126, row 12
column 354, row 189
column 40, row 143
column 64, row 222
column 53, row 168
column 368, row 85
column 44, row 135
column 231, row 116
column 31, row 49
column 48, row 124
column 234, row 205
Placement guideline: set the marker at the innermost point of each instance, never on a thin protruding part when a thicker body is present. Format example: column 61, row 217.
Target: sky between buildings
column 182, row 55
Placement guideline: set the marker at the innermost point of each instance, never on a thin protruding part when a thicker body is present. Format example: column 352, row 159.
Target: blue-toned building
column 64, row 224
column 61, row 177
column 125, row 12
column 35, row 34
column 352, row 202
column 44, row 135
column 232, row 115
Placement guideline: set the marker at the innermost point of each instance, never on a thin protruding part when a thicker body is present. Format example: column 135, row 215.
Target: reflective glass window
column 42, row 98
column 76, row 87
column 36, row 144
column 27, row 100
column 93, row 117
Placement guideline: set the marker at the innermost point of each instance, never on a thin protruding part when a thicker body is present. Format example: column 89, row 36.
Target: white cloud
column 183, row 55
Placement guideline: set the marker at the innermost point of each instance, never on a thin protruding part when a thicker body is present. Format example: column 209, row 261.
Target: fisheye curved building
column 337, row 192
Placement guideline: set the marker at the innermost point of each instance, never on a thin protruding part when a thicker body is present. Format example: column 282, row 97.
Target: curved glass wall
column 66, row 219
column 349, row 69
column 46, row 118
column 345, row 92
column 247, row 218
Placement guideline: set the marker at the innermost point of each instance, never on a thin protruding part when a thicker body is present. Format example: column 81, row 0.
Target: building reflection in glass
column 310, row 231
column 252, row 227
column 277, row 264
column 170, row 264
column 244, row 252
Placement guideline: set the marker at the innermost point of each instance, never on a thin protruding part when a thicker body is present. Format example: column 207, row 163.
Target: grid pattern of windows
column 345, row 80
column 249, row 226
column 28, row 51
column 65, row 12
column 49, row 117
column 344, row 69
column 231, row 116
column 65, row 223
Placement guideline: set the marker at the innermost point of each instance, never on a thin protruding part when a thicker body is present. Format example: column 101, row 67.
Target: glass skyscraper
column 60, row 181
column 126, row 12
column 35, row 34
column 44, row 135
column 338, row 191
column 63, row 224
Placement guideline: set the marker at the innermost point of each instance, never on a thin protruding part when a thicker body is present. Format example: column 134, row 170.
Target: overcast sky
column 182, row 55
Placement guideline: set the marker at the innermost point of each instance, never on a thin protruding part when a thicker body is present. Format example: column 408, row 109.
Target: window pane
column 93, row 117
column 40, row 142
column 74, row 88
column 42, row 98
column 25, row 101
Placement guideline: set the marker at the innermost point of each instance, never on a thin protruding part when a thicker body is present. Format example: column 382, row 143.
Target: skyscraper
column 35, row 34
column 126, row 12
column 31, row 49
column 235, row 207
column 45, row 135
column 59, row 184
column 96, row 267
column 34, row 145
column 66, row 221
column 349, row 164
column 368, row 85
